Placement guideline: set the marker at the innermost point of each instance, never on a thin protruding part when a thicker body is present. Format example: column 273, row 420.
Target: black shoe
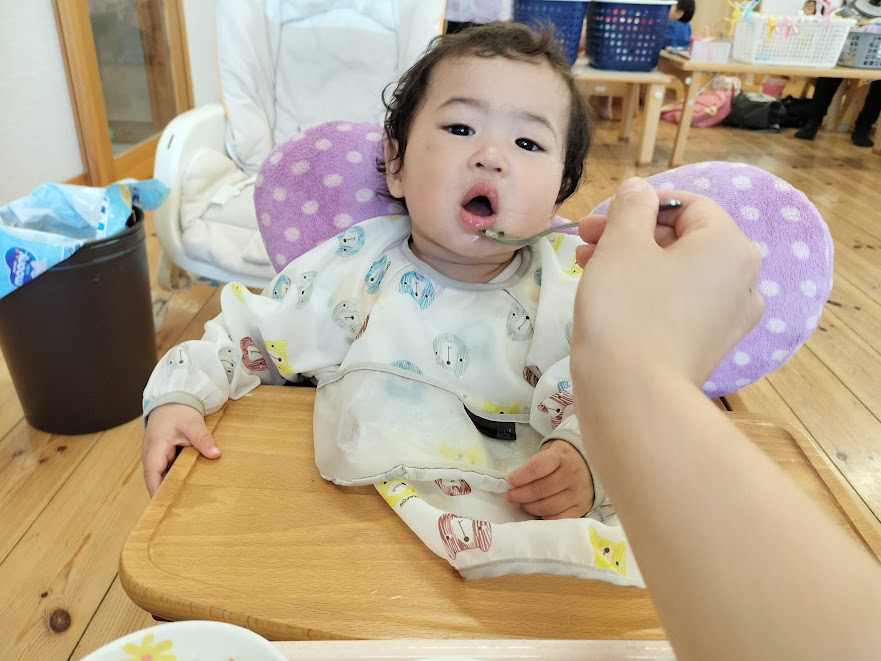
column 860, row 137
column 808, row 131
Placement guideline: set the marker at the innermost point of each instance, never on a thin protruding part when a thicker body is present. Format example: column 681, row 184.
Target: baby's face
column 486, row 149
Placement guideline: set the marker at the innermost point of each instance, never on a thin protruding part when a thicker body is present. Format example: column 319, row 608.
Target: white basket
column 811, row 42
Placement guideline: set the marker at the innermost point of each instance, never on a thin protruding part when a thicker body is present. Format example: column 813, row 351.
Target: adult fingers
column 584, row 253
column 591, row 228
column 633, row 212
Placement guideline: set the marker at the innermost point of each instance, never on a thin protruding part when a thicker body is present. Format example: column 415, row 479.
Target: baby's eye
column 459, row 129
column 528, row 145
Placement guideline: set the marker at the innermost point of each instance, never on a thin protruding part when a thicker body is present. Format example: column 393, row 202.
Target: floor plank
column 860, row 312
column 33, row 467
column 116, row 617
column 10, row 407
column 59, row 572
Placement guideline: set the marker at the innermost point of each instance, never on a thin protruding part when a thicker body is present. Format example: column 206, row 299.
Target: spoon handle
column 666, row 205
column 556, row 228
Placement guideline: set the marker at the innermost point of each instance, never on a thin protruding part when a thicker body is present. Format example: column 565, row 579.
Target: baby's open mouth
column 479, row 206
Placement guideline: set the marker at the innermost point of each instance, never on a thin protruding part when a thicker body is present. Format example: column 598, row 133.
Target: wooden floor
column 68, row 503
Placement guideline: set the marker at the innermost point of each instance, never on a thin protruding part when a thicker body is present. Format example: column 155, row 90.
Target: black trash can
column 79, row 340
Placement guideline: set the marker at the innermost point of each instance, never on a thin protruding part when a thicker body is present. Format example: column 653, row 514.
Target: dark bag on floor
column 797, row 112
column 751, row 111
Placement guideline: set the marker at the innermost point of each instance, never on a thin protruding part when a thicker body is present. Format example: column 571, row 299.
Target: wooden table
column 694, row 74
column 258, row 538
column 626, row 84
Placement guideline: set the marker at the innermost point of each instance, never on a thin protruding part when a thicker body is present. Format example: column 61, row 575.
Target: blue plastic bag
column 55, row 220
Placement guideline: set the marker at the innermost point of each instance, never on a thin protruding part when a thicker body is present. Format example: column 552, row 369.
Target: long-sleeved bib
column 431, row 389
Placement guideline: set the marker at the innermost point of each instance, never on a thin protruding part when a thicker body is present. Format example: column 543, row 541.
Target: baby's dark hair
column 513, row 41
column 687, row 8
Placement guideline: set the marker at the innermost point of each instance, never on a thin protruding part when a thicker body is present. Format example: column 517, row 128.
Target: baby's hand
column 168, row 427
column 554, row 484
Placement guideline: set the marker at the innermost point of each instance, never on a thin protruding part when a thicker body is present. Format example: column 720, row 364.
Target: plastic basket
column 567, row 17
column 862, row 50
column 626, row 36
column 808, row 41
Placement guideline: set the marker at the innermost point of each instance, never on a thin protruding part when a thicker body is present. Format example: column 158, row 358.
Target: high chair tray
column 257, row 538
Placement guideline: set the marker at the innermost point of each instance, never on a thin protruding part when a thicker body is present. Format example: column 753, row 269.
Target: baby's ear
column 394, row 172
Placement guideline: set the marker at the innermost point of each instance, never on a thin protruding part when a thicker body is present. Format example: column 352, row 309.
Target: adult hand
column 676, row 288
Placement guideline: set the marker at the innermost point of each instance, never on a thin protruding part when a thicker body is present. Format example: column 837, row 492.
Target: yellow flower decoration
column 148, row 651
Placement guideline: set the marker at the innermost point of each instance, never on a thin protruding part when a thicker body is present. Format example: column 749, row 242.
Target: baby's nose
column 490, row 159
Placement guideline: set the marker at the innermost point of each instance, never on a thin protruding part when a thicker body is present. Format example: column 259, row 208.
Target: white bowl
column 194, row 640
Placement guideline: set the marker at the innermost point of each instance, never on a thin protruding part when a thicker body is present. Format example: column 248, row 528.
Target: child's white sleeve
column 302, row 325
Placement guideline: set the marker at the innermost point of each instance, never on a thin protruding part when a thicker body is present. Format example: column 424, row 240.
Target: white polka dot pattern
column 769, row 288
column 800, row 250
column 749, row 213
column 742, row 183
column 790, row 213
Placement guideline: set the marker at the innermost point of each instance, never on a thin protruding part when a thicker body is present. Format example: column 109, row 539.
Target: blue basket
column 625, row 36
column 566, row 16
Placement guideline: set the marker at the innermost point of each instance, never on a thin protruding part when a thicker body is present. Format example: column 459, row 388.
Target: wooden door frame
column 87, row 95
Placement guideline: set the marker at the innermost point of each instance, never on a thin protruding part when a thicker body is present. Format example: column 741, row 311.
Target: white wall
column 38, row 140
column 200, row 17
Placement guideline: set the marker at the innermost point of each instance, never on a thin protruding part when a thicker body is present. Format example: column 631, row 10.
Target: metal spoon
column 499, row 235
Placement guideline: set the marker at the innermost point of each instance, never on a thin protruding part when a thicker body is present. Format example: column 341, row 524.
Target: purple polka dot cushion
column 796, row 275
column 319, row 182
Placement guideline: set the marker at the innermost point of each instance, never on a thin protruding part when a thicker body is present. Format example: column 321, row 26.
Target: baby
column 434, row 348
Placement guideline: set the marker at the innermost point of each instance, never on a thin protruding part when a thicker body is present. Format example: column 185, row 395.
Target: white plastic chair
column 284, row 65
